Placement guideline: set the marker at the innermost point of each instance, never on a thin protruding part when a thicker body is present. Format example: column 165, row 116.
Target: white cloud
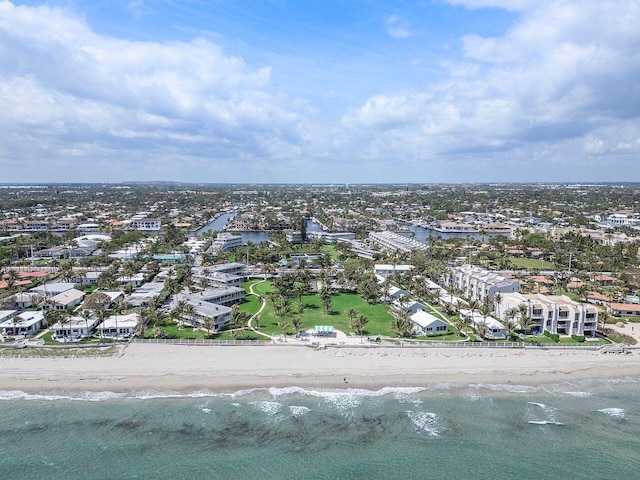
column 62, row 83
column 398, row 27
column 549, row 79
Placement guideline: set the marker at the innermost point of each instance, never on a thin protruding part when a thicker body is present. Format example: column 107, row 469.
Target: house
column 493, row 329
column 426, row 324
column 87, row 278
column 68, row 299
column 119, row 326
column 385, row 271
column 135, row 280
column 74, row 329
column 144, row 295
column 411, row 307
column 52, row 289
column 7, row 315
column 23, row 300
column 393, row 292
column 102, row 299
column 25, row 323
column 624, row 309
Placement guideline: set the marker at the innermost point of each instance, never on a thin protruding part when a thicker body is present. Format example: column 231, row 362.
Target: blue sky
column 333, row 91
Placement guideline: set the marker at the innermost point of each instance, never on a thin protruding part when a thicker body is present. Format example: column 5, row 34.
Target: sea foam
column 613, row 412
column 425, row 422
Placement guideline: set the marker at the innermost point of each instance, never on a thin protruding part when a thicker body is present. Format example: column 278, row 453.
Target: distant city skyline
column 358, row 92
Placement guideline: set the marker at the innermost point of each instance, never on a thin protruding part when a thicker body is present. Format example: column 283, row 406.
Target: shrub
column 578, row 338
column 553, row 336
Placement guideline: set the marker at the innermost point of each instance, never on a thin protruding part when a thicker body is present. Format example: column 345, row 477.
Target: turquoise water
column 573, row 430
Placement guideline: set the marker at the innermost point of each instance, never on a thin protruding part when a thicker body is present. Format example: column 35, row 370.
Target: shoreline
column 222, row 370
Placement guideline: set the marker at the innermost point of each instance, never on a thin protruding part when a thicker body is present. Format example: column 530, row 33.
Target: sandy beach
column 143, row 367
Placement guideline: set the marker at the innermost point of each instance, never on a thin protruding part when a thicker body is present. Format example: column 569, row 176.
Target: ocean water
column 589, row 429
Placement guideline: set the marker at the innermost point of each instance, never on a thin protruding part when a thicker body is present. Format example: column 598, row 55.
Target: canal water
column 221, row 222
column 420, row 234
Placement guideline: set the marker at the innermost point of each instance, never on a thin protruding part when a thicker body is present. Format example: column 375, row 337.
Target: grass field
column 530, row 264
column 251, row 303
column 378, row 314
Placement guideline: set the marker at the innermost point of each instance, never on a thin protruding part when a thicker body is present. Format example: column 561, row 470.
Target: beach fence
column 384, row 344
column 203, row 341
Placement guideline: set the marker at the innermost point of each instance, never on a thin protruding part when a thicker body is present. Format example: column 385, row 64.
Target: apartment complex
column 551, row 313
column 395, row 242
column 477, row 283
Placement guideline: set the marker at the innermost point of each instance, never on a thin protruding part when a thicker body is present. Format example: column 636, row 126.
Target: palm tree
column 11, row 279
column 352, row 314
column 358, row 323
column 401, row 323
column 284, row 326
column 298, row 326
column 86, row 314
column 603, row 317
column 189, row 311
column 325, row 295
column 208, row 323
column 497, row 300
column 300, row 289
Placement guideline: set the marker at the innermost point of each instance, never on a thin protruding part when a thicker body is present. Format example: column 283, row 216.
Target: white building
column 226, row 241
column 477, row 283
column 384, row 270
column 147, row 224
column 51, row 289
column 119, row 326
column 25, row 323
column 74, row 329
column 395, row 242
column 68, row 299
column 144, row 295
column 426, row 324
column 552, row 313
column 220, row 315
column 494, row 329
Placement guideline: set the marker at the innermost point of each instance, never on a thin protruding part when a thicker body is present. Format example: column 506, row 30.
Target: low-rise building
column 146, row 224
column 144, row 295
column 25, row 323
column 74, row 329
column 426, row 324
column 119, row 326
column 395, row 242
column 624, row 309
column 68, row 299
column 385, row 271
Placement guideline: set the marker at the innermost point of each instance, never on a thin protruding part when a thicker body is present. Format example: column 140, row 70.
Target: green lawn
column 331, row 250
column 251, row 303
column 173, row 331
column 378, row 314
column 452, row 335
column 531, row 264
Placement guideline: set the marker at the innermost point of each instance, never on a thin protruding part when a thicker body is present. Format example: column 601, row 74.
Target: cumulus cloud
column 550, row 79
column 61, row 83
